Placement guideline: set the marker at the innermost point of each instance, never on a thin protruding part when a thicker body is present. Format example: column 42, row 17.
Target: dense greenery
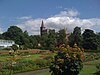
column 26, row 60
column 68, row 61
column 87, row 40
column 76, row 37
column 23, row 61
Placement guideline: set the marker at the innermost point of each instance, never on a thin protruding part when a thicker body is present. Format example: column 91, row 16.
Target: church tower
column 42, row 29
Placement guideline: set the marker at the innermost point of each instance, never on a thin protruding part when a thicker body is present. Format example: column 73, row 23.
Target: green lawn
column 31, row 57
column 25, row 57
column 88, row 69
column 44, row 73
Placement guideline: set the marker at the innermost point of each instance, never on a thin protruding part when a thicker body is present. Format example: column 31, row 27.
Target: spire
column 42, row 24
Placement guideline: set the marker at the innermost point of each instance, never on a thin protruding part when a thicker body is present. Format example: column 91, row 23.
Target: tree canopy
column 76, row 37
column 52, row 39
column 89, row 40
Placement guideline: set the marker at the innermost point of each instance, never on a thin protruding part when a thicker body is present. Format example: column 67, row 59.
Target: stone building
column 43, row 29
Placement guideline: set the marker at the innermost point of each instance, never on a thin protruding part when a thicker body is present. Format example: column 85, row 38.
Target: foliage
column 89, row 40
column 6, row 68
column 23, row 63
column 61, row 37
column 34, row 41
column 51, row 41
column 67, row 61
column 13, row 33
column 14, row 47
column 76, row 37
column 48, row 40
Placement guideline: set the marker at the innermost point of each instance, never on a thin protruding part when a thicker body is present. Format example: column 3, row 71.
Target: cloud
column 32, row 26
column 68, row 13
column 1, row 31
column 65, row 19
column 24, row 17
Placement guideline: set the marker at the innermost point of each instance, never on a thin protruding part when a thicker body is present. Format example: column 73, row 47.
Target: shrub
column 14, row 47
column 5, row 68
column 24, row 65
column 41, row 63
column 68, row 61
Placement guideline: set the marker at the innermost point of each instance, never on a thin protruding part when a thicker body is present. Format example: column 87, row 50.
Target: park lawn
column 25, row 57
column 43, row 73
column 88, row 69
column 31, row 57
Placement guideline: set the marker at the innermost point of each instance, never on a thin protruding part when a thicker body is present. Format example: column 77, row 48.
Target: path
column 32, row 72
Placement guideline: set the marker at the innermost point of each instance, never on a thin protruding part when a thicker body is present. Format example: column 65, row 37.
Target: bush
column 24, row 65
column 68, row 61
column 42, row 63
column 5, row 68
column 14, row 47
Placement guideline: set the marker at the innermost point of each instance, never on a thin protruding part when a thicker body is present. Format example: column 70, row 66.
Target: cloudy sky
column 56, row 14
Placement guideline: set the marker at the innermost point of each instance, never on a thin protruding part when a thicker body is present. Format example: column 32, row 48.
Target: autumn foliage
column 68, row 61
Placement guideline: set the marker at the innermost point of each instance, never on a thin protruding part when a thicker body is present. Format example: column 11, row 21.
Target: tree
column 61, row 37
column 51, row 41
column 43, row 40
column 25, row 39
column 34, row 41
column 76, row 37
column 13, row 33
column 89, row 40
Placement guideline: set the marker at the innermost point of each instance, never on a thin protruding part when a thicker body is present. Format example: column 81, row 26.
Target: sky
column 56, row 14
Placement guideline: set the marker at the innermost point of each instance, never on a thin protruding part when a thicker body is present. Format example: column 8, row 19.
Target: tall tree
column 89, row 40
column 51, row 41
column 13, row 33
column 43, row 40
column 76, row 37
column 34, row 41
column 62, row 37
column 25, row 40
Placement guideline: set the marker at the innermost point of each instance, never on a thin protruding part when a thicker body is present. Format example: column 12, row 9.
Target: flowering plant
column 68, row 61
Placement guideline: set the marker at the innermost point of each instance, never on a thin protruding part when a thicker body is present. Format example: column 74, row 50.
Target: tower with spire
column 43, row 30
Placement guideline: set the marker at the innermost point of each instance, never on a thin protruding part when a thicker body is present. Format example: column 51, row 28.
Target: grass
column 31, row 57
column 5, row 58
column 88, row 69
column 25, row 57
column 43, row 73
